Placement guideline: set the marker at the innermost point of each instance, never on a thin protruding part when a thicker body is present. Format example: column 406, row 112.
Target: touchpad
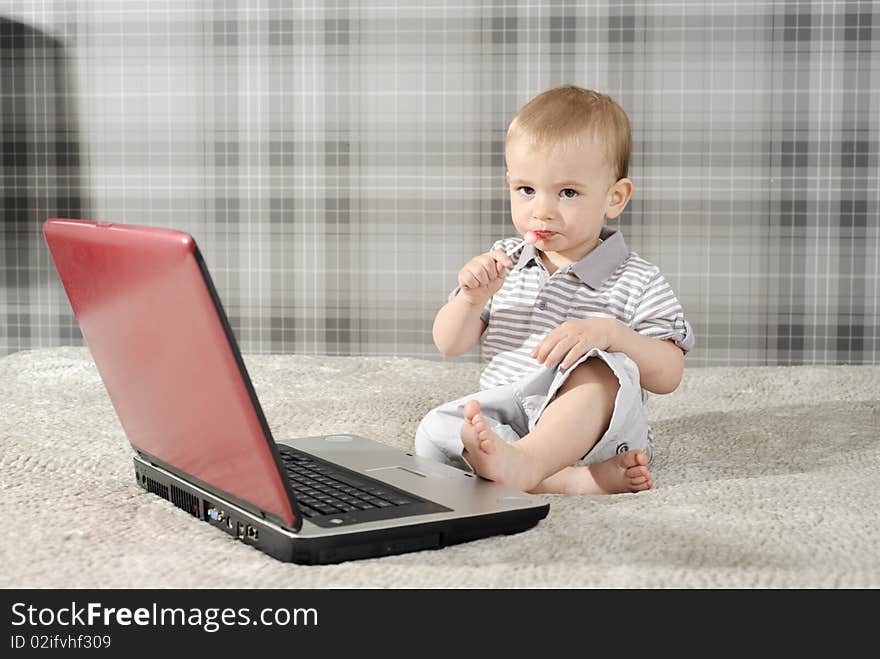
column 418, row 471
column 394, row 470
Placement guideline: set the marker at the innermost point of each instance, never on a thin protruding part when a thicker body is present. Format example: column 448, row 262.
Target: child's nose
column 543, row 208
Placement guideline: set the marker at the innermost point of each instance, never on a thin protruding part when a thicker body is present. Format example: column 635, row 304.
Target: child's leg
column 570, row 425
column 438, row 434
column 627, row 472
column 568, row 428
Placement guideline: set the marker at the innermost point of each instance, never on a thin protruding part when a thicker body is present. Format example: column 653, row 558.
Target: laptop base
column 289, row 546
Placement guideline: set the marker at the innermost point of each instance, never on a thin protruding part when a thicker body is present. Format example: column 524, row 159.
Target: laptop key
column 328, row 490
column 349, row 480
column 379, row 492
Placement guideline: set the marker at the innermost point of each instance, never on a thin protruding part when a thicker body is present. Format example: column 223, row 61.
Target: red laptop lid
column 162, row 344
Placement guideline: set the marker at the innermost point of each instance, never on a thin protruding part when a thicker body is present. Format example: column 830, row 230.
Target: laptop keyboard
column 322, row 489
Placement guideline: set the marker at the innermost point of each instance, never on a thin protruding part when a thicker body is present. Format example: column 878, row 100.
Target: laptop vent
column 185, row 501
column 156, row 487
column 180, row 498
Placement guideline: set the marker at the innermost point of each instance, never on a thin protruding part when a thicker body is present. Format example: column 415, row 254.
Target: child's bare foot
column 493, row 458
column 627, row 472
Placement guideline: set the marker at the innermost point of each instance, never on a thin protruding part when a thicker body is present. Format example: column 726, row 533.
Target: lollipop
column 530, row 237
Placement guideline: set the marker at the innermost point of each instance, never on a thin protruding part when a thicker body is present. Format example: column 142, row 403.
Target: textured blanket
column 764, row 477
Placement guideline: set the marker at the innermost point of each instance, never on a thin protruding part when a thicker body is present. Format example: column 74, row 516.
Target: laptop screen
column 162, row 345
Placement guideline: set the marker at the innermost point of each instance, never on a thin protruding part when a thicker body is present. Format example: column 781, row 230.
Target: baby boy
column 576, row 327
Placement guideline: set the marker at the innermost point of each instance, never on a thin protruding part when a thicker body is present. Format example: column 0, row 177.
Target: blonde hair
column 569, row 114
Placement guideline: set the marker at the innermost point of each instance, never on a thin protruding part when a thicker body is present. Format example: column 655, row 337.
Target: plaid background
column 339, row 161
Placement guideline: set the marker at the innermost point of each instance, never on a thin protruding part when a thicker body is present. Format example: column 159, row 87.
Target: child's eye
column 568, row 193
column 525, row 190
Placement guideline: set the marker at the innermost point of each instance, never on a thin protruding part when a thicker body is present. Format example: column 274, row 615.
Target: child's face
column 567, row 191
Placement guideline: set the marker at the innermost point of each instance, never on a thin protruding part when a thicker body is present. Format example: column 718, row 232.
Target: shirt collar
column 596, row 266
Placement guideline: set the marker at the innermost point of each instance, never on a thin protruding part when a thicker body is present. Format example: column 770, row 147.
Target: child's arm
column 458, row 326
column 660, row 362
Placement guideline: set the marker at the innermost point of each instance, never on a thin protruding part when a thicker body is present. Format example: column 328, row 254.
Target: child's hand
column 483, row 276
column 575, row 338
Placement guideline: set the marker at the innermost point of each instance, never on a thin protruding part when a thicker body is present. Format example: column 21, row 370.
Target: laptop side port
column 221, row 519
column 216, row 515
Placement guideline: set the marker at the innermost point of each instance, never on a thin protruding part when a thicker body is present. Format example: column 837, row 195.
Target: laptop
column 165, row 351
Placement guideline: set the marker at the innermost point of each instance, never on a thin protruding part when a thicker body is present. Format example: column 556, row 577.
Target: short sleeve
column 659, row 315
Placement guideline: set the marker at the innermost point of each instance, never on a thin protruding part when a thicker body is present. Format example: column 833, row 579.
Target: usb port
column 251, row 532
column 239, row 530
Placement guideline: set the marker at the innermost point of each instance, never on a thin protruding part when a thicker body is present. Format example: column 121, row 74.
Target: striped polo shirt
column 609, row 282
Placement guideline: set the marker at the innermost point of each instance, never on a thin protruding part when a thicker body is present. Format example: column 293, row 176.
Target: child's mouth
column 532, row 237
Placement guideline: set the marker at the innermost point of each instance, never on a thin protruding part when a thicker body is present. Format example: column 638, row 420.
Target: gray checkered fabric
column 338, row 162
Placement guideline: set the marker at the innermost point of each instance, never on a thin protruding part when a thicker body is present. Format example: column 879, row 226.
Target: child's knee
column 424, row 441
column 592, row 371
column 432, row 435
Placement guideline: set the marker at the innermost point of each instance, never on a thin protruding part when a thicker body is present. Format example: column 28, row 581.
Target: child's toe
column 633, row 472
column 481, row 426
column 471, row 409
column 628, row 459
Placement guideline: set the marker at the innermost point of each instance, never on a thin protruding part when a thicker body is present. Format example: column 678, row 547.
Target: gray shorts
column 512, row 410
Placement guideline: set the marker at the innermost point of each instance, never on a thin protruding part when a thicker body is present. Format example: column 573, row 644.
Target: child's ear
column 618, row 197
